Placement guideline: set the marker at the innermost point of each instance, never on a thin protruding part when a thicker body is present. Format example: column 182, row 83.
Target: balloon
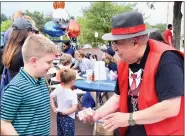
column 73, row 29
column 59, row 4
column 53, row 30
column 61, row 17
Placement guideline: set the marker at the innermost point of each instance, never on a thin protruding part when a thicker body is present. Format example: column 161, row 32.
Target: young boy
column 25, row 108
column 65, row 61
column 67, row 103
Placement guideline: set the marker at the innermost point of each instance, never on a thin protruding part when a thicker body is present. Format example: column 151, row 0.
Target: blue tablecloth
column 97, row 86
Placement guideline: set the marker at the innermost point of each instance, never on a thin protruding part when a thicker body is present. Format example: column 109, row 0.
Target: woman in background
column 110, row 62
column 12, row 55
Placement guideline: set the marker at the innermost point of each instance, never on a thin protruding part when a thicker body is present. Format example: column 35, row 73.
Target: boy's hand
column 88, row 115
column 56, row 110
column 91, row 118
column 64, row 112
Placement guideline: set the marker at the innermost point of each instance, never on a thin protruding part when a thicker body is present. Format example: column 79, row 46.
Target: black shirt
column 169, row 83
column 16, row 64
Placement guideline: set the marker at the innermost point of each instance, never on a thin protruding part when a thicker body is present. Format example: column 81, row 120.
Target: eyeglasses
column 125, row 41
column 118, row 42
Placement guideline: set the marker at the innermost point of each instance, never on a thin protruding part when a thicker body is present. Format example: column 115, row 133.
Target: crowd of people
column 143, row 102
column 26, row 66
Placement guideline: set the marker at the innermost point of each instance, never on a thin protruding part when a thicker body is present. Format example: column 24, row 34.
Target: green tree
column 97, row 18
column 160, row 27
column 3, row 17
column 72, row 17
column 39, row 18
column 5, row 25
column 177, row 17
column 148, row 25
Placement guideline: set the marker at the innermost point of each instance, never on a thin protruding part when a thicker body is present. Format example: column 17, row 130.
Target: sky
column 155, row 16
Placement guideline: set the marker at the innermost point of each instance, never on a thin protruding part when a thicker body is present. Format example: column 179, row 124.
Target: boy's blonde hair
column 66, row 59
column 66, row 75
column 37, row 45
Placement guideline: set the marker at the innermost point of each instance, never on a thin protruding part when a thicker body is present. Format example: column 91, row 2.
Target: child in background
column 65, row 61
column 83, row 63
column 67, row 103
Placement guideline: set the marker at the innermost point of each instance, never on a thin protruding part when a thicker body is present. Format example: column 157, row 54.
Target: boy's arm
column 52, row 104
column 7, row 128
column 52, row 96
column 74, row 106
column 9, row 106
column 70, row 110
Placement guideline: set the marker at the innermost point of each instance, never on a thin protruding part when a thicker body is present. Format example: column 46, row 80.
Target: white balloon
column 61, row 17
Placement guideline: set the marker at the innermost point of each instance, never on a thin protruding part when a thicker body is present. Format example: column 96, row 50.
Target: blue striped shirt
column 26, row 104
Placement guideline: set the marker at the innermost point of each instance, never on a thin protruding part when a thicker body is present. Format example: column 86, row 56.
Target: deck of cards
column 82, row 114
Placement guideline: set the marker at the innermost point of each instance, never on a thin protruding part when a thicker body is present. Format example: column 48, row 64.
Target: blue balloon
column 53, row 30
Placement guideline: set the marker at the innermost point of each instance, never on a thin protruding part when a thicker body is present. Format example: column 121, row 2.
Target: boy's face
column 43, row 64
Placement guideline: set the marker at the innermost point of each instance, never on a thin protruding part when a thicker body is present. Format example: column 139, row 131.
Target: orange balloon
column 73, row 29
column 58, row 4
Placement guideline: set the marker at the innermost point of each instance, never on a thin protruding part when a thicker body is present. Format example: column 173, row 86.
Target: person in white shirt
column 84, row 63
column 65, row 61
column 67, row 103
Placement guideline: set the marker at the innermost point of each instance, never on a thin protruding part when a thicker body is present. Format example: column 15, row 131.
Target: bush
column 5, row 25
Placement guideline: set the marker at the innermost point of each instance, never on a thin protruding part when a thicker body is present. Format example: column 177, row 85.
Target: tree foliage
column 97, row 18
column 3, row 17
column 177, row 17
column 5, row 25
column 160, row 27
column 39, row 18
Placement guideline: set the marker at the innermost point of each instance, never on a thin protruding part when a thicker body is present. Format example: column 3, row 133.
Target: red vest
column 147, row 94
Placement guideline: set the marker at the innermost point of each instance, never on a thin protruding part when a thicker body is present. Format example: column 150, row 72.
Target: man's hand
column 111, row 106
column 116, row 120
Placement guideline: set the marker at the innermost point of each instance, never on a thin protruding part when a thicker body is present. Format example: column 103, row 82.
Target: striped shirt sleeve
column 10, row 102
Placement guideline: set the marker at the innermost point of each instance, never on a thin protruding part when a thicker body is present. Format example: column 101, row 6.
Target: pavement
column 80, row 127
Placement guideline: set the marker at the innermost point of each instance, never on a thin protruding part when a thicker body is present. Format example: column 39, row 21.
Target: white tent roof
column 87, row 46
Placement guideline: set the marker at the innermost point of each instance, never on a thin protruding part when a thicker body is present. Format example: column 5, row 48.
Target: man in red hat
column 149, row 95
